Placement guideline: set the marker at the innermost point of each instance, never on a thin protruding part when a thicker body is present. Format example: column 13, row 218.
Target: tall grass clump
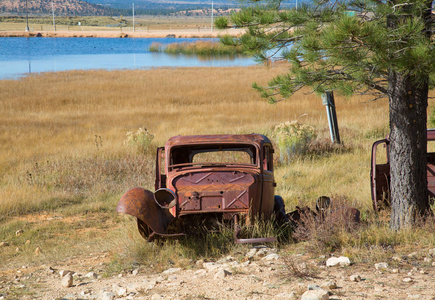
column 197, row 48
column 293, row 138
column 141, row 140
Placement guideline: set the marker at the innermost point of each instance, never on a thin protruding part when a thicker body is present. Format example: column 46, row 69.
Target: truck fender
column 143, row 205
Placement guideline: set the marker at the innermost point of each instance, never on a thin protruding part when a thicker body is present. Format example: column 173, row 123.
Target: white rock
column 200, row 272
column 63, row 273
column 91, row 275
column 222, row 273
column 211, row 266
column 330, row 285
column 251, row 253
column 119, row 290
column 381, row 266
column 343, row 261
column 428, row 259
column 106, row 296
column 412, row 255
column 19, row 232
column 407, row 279
column 432, row 252
column 156, row 297
column 171, row 271
column 67, row 280
column 4, row 244
column 262, row 252
column 289, row 296
column 272, row 256
column 355, row 278
column 417, row 296
column 135, row 272
column 315, row 295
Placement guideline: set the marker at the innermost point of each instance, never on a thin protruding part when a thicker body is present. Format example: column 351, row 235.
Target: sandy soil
column 118, row 34
column 408, row 277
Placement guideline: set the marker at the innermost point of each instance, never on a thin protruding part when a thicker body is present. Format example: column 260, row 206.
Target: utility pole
column 52, row 9
column 27, row 18
column 133, row 16
column 212, row 16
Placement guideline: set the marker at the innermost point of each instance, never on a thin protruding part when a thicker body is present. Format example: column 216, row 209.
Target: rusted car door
column 380, row 174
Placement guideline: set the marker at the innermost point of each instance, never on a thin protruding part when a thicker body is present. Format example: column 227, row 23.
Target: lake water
column 22, row 56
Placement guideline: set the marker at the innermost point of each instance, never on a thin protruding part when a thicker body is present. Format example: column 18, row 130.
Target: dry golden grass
column 63, row 152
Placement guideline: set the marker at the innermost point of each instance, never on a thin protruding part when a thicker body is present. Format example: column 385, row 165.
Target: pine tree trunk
column 408, row 150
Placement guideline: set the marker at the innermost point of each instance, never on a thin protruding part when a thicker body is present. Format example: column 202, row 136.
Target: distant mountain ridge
column 61, row 7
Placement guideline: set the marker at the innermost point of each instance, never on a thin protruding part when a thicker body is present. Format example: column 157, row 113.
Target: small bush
column 141, row 139
column 293, row 138
column 156, row 47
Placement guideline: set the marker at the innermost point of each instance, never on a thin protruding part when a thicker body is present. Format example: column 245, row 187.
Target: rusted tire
column 279, row 211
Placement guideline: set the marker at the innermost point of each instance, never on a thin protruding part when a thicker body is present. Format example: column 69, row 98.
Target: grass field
column 142, row 23
column 64, row 162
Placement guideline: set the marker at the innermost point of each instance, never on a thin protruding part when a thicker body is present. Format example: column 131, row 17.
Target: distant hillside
column 61, row 7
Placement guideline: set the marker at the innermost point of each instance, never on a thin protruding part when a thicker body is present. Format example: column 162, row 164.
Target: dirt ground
column 263, row 273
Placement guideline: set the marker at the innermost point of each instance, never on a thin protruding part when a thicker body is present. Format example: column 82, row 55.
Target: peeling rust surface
column 140, row 203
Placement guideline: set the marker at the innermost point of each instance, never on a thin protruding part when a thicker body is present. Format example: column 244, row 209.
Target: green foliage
column 350, row 47
column 141, row 140
column 293, row 138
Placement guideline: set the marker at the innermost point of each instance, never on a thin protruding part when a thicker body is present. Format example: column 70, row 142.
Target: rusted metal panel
column 380, row 174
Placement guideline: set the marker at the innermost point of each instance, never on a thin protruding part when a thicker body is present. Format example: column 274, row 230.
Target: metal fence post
column 328, row 101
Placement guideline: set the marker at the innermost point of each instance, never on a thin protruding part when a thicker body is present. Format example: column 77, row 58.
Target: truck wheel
column 279, row 211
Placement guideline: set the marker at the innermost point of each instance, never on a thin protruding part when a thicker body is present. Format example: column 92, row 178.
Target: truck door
column 380, row 175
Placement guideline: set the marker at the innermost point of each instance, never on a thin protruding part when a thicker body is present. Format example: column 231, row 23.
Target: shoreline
column 125, row 34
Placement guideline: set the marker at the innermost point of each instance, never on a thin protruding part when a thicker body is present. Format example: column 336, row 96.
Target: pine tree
column 377, row 47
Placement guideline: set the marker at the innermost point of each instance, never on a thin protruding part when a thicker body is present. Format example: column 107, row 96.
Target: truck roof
column 251, row 139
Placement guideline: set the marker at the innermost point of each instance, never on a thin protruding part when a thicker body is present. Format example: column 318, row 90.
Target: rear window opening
column 213, row 154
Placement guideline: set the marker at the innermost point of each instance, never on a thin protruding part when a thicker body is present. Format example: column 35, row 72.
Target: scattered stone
column 315, row 295
column 343, row 261
column 135, row 272
column 222, row 274
column 27, row 242
column 396, row 258
column 427, row 259
column 381, row 266
column 105, row 295
column 210, row 266
column 38, row 251
column 4, row 244
column 272, row 256
column 395, row 271
column 432, row 252
column 171, row 271
column 330, row 285
column 251, row 253
column 92, row 275
column 355, row 278
column 17, row 250
column 407, row 279
column 119, row 290
column 290, row 296
column 313, row 287
column 423, row 272
column 200, row 272
column 19, row 232
column 63, row 273
column 261, row 252
column 67, row 280
column 413, row 255
column 417, row 296
column 156, row 297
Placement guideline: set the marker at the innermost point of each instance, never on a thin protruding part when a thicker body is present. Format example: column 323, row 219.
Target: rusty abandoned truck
column 226, row 176
column 380, row 171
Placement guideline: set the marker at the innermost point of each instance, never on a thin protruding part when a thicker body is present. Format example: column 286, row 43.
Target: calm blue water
column 22, row 56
